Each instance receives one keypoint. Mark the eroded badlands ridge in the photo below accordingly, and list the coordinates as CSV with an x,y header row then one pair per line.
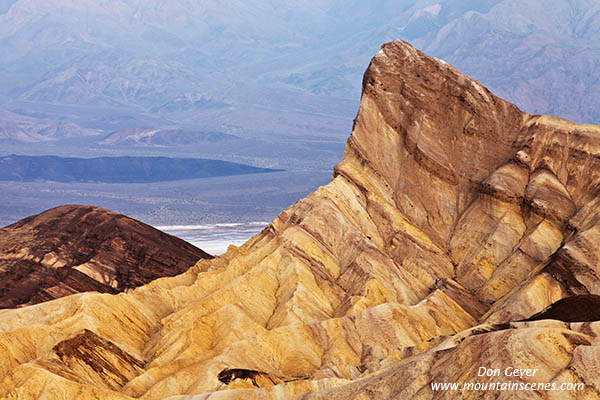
x,y
72,249
452,217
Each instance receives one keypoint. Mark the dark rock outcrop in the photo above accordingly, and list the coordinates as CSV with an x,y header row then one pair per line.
x,y
72,249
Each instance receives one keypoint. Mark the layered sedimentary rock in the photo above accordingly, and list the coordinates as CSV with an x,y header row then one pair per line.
x,y
453,223
72,249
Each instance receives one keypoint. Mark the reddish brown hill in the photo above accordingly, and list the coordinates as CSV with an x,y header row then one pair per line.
x,y
74,248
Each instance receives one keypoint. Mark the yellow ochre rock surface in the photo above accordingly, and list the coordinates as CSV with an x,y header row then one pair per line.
x,y
453,218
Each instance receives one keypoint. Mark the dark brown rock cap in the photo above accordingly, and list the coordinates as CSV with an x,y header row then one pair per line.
x,y
77,248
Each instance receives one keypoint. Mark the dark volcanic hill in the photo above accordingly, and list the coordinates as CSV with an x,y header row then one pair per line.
x,y
74,248
117,169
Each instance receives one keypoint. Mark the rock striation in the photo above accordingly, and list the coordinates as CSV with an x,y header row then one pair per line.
x,y
72,249
452,224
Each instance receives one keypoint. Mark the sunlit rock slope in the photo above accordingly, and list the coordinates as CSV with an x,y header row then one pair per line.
x,y
452,220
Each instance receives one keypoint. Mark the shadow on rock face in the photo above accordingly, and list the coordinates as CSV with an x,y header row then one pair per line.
x,y
257,378
581,308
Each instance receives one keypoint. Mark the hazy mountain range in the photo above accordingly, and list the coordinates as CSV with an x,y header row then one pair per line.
x,y
271,69
265,83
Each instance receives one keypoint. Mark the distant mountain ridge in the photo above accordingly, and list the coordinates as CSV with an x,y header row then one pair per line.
x,y
216,65
117,169
165,137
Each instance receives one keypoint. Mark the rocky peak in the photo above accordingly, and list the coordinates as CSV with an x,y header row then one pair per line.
x,y
452,219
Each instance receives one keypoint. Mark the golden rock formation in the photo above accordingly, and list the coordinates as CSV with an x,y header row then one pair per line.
x,y
453,218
